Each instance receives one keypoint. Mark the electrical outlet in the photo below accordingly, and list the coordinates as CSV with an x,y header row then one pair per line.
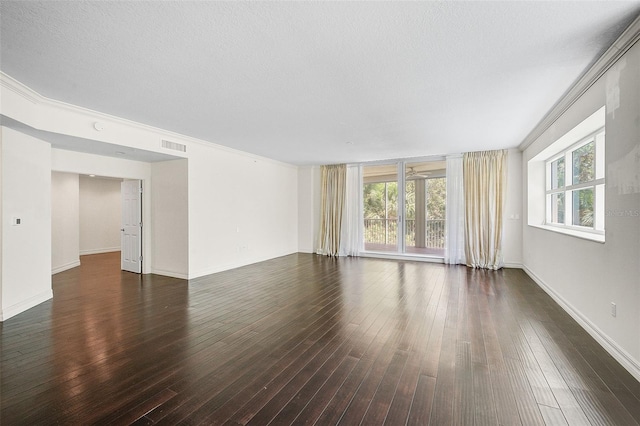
x,y
613,309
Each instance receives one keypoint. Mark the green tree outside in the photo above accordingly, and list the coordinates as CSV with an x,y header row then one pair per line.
x,y
381,207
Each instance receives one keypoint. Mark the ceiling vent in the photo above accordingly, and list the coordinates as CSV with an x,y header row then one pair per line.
x,y
174,146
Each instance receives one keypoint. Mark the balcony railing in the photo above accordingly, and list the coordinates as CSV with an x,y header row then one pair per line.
x,y
385,231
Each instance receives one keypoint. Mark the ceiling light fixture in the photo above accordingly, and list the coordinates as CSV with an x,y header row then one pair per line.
x,y
92,175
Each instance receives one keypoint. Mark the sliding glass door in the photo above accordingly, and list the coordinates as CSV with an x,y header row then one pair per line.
x,y
425,200
404,208
380,199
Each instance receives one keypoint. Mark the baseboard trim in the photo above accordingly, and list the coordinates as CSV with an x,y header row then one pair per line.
x,y
29,303
513,265
99,251
171,274
402,257
623,357
228,266
65,267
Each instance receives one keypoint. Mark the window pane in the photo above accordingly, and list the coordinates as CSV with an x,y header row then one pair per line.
x,y
436,211
599,216
557,173
425,189
557,208
410,209
583,207
380,207
600,156
583,164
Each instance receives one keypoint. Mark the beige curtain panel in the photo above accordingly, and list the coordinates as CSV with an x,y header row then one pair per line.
x,y
484,194
333,187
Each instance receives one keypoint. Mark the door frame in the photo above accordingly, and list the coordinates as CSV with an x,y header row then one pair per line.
x,y
136,266
401,243
145,178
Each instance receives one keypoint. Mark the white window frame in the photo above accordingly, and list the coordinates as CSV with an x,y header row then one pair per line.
x,y
597,184
400,253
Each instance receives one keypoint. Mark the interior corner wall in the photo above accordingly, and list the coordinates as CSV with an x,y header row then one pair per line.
x,y
65,232
170,218
243,209
586,276
26,247
85,164
308,208
512,220
100,215
1,223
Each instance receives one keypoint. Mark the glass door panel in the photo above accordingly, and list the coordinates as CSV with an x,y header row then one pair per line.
x,y
425,199
380,207
404,207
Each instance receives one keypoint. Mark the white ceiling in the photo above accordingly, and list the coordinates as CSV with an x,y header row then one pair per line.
x,y
315,82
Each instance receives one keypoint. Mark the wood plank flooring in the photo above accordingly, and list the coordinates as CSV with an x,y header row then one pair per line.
x,y
305,339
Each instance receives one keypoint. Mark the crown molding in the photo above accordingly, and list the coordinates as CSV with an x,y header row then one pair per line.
x,y
626,40
10,83
18,88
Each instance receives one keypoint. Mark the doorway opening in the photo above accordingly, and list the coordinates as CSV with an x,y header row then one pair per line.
x,y
88,214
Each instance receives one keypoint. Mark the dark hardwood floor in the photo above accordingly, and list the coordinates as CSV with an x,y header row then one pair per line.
x,y
305,339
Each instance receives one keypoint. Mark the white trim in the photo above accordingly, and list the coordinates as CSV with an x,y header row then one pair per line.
x,y
19,89
401,256
577,186
99,250
628,38
513,265
65,267
623,357
171,274
585,235
29,303
423,159
10,83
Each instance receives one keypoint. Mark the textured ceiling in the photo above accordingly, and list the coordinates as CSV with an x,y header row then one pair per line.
x,y
315,82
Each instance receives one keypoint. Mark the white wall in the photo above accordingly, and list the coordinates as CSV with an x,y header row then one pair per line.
x,y
585,276
242,209
1,222
512,237
65,232
308,208
170,218
100,215
26,248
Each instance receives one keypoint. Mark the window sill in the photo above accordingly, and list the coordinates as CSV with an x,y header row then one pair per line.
x,y
598,238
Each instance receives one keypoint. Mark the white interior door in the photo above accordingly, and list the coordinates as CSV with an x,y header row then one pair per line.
x,y
131,231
